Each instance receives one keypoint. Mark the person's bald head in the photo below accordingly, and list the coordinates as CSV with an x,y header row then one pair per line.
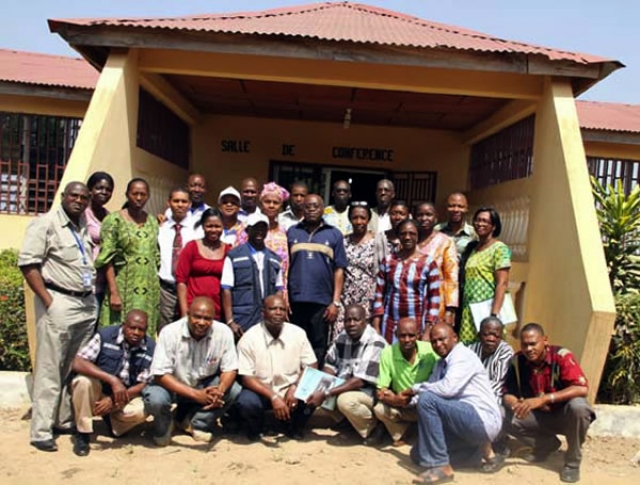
x,y
407,333
249,194
200,316
443,339
134,327
75,199
313,208
274,314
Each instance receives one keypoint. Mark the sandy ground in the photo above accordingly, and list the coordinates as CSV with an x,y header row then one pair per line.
x,y
324,457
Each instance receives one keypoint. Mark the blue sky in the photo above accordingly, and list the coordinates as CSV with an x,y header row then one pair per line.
x,y
609,29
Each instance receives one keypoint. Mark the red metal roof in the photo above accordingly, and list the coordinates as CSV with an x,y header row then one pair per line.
x,y
595,115
340,21
46,70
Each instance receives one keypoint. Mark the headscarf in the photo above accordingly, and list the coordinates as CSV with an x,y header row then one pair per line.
x,y
275,189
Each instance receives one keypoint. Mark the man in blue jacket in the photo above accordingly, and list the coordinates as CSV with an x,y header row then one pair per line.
x,y
112,369
251,273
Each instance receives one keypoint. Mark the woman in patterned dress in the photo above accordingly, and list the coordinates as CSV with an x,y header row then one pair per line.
x,y
486,267
200,265
100,185
443,251
130,258
362,264
407,286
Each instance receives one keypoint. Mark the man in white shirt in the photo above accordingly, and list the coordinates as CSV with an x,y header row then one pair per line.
x,y
251,272
248,198
197,188
272,357
337,215
458,415
174,234
385,193
295,213
194,366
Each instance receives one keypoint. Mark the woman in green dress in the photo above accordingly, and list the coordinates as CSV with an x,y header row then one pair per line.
x,y
486,267
129,257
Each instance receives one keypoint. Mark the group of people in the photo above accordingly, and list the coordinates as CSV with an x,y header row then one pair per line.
x,y
205,318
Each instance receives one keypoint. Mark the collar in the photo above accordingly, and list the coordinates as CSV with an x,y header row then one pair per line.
x,y
268,338
254,250
467,229
303,224
66,221
193,209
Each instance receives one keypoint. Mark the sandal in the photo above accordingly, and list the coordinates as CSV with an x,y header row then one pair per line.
x,y
493,464
433,475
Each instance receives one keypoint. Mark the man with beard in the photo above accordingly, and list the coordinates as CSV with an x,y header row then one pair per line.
x,y
295,212
355,358
545,395
273,355
56,260
251,273
173,235
456,226
337,215
248,199
404,364
112,369
316,274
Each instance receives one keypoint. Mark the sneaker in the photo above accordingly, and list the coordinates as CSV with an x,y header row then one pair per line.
x,y
196,434
81,444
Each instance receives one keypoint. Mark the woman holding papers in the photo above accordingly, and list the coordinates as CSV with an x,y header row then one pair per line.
x,y
484,269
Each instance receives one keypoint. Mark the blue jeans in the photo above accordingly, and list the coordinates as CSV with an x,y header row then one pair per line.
x,y
449,432
251,408
158,401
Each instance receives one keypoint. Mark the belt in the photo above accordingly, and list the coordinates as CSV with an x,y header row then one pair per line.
x,y
168,286
64,291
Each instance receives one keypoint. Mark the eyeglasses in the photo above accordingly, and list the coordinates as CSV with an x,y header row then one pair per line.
x,y
360,203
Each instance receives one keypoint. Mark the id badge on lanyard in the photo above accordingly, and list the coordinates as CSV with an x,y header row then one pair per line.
x,y
87,273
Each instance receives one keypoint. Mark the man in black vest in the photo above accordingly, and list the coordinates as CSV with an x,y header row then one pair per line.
x,y
112,369
251,273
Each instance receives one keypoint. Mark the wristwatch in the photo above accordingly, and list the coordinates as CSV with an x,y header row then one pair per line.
x,y
327,393
336,303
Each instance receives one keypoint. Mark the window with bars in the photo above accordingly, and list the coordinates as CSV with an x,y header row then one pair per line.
x,y
34,151
161,132
505,155
609,170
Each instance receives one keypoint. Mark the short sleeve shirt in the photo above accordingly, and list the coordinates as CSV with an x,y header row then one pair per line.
x,y
50,242
314,258
349,358
399,374
559,370
461,238
276,362
190,360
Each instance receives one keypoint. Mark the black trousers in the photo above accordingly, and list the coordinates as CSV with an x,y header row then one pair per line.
x,y
310,317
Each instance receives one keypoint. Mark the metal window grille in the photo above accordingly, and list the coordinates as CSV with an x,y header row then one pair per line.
x,y
415,187
34,151
609,170
505,155
161,132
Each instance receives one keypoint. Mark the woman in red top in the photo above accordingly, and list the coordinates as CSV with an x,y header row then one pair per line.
x,y
200,265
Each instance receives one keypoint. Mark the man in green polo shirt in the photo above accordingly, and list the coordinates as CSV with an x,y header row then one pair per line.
x,y
405,363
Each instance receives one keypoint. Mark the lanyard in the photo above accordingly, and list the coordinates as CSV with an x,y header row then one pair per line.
x,y
80,245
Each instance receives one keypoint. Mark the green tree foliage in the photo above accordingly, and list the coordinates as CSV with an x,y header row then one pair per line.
x,y
619,217
14,347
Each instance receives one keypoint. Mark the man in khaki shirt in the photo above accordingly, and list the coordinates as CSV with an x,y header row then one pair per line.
x,y
272,357
57,263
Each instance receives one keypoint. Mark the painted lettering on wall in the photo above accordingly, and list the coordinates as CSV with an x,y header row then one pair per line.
x,y
372,154
288,150
236,146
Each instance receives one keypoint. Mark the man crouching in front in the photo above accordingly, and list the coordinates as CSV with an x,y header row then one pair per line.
x,y
194,366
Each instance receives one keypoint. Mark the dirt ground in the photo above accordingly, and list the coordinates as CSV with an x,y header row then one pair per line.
x,y
324,457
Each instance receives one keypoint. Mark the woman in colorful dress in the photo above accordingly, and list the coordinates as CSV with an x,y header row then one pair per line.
x,y
362,267
387,242
485,266
407,286
200,265
130,258
443,251
100,186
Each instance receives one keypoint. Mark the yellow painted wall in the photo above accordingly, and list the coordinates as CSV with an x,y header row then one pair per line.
x,y
568,287
414,150
612,150
12,230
